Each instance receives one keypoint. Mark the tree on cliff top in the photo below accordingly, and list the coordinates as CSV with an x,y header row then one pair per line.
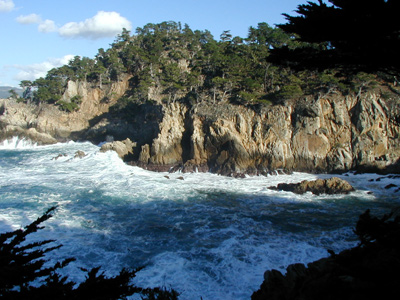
x,y
353,35
26,274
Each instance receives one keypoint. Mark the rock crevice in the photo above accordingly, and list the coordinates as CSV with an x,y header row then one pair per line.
x,y
333,134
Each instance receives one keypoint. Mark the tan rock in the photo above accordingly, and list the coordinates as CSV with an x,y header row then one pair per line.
x,y
123,148
332,185
336,133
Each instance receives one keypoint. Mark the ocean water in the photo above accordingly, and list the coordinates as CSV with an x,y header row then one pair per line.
x,y
206,236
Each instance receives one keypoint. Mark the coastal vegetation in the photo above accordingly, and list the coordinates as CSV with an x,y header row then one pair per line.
x,y
310,55
350,36
168,63
230,106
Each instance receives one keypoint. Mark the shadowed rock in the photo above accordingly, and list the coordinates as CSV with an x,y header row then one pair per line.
x,y
367,271
330,134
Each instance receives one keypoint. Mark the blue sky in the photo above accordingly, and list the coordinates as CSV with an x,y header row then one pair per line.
x,y
38,35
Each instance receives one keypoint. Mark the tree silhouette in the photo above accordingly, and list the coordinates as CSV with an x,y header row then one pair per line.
x,y
354,35
25,274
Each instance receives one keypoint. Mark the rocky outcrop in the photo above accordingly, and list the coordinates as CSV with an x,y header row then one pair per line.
x,y
324,135
368,271
51,124
123,148
332,134
329,186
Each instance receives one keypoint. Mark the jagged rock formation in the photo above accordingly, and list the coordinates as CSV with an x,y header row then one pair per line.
x,y
329,186
330,134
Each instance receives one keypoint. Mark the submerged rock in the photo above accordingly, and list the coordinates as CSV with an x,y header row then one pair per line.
x,y
59,156
79,154
389,186
329,186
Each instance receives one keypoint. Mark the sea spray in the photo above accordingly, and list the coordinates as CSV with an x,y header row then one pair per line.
x,y
206,236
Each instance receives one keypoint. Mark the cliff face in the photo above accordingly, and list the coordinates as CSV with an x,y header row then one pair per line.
x,y
314,135
324,135
46,124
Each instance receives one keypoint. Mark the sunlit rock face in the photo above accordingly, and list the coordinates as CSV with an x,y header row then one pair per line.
x,y
331,134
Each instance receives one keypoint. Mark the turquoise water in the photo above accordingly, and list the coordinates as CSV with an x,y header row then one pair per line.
x,y
205,236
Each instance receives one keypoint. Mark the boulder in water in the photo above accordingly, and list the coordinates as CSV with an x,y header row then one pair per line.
x,y
123,148
329,186
79,154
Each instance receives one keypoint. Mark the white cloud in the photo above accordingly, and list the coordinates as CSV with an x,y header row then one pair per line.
x,y
29,19
103,24
44,26
6,5
35,71
47,26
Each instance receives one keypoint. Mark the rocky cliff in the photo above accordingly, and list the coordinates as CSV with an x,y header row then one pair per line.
x,y
331,134
46,124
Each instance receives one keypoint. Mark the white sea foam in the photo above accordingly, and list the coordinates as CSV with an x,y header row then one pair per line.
x,y
206,236
17,143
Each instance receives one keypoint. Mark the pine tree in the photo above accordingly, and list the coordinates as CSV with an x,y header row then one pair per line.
x,y
355,35
23,274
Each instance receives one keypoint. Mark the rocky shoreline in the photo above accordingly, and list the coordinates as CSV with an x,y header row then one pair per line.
x,y
316,135
324,135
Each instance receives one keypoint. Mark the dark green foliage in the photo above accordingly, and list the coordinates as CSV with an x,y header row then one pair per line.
x,y
70,106
268,36
353,35
290,91
49,89
13,94
21,264
25,274
170,62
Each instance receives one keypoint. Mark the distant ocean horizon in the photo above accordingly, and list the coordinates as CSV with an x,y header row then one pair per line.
x,y
207,236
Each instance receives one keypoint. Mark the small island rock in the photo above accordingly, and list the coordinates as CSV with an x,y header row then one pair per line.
x,y
329,186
